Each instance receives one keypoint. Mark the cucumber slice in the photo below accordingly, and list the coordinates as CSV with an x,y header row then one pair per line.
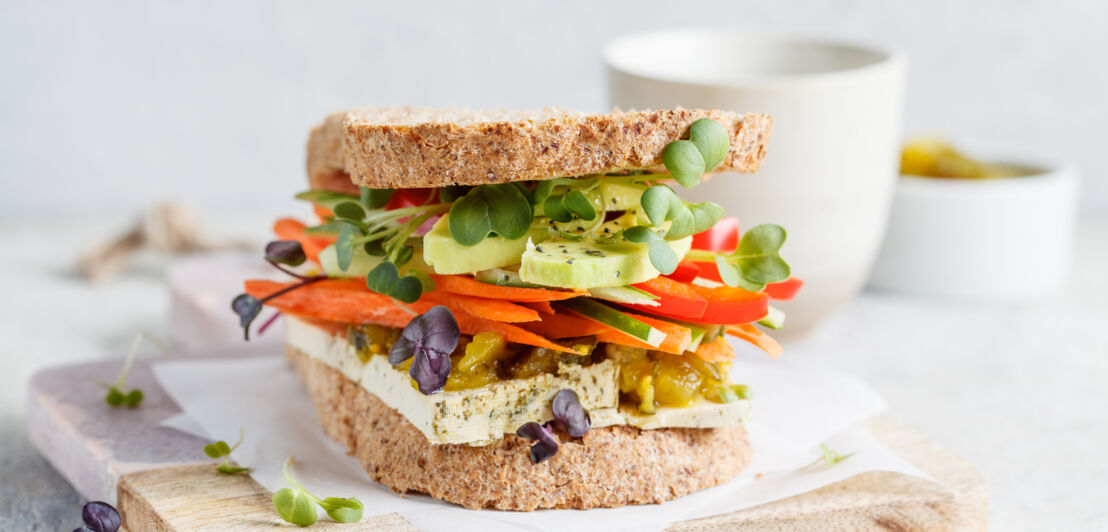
x,y
625,294
775,318
611,317
698,335
359,267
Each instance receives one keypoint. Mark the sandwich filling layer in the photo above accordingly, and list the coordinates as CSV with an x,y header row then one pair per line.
x,y
479,416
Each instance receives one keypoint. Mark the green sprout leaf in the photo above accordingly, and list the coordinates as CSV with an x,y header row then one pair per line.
x,y
348,510
756,261
555,208
350,211
830,456
684,162
385,279
344,247
542,191
325,198
408,289
661,255
712,140
501,209
375,198
295,506
220,449
298,506
656,203
579,204
116,396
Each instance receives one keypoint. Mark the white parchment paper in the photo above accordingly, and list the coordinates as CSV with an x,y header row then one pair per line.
x,y
796,409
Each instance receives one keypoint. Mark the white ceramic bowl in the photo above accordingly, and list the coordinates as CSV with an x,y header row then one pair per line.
x,y
831,162
1003,239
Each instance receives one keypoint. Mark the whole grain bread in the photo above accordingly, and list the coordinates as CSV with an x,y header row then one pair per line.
x,y
608,467
411,147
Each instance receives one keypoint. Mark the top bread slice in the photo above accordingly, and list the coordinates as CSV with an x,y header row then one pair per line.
x,y
417,147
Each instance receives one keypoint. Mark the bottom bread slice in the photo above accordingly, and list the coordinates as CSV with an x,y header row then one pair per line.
x,y
609,466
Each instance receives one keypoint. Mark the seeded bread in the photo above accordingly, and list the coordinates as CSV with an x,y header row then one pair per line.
x,y
608,467
411,147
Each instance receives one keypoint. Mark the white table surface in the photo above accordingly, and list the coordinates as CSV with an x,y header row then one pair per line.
x,y
1019,390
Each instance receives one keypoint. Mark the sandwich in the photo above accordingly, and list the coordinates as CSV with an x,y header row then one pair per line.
x,y
516,310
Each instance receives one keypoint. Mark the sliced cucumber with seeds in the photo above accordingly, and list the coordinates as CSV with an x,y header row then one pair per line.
x,y
596,311
625,294
775,318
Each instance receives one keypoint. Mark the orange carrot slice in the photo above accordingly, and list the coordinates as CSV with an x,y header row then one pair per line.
x,y
757,337
543,307
351,302
460,284
489,309
292,229
718,350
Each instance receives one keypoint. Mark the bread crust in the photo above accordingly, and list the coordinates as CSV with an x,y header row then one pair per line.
x,y
411,147
608,467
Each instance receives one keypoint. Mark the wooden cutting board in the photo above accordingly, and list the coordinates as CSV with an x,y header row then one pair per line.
x,y
162,481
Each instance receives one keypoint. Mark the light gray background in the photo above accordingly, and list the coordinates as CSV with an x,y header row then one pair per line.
x,y
110,105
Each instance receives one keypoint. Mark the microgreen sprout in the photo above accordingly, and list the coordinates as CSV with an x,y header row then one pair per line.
x,y
755,262
503,209
117,396
297,505
99,516
430,338
546,443
688,160
220,449
830,457
277,253
569,413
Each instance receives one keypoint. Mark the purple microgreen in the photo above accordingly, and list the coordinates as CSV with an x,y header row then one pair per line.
x,y
285,252
100,516
430,338
268,322
116,395
248,307
546,445
570,414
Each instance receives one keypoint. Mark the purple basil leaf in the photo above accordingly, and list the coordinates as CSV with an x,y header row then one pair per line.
x,y
100,517
285,252
247,307
83,529
430,338
430,370
546,446
569,412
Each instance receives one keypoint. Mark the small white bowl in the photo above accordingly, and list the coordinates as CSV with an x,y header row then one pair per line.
x,y
1001,239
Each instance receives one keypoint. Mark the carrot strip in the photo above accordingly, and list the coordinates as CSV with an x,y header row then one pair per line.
x,y
460,284
292,229
512,333
718,350
322,212
543,307
565,326
757,337
351,302
489,309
